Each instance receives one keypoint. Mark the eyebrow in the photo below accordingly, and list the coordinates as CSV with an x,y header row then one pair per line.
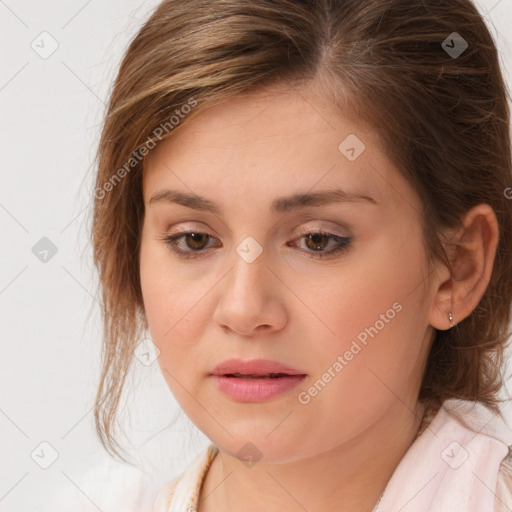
x,y
279,205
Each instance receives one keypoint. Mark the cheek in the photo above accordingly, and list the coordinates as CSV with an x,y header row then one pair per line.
x,y
174,307
374,314
153,289
376,352
159,294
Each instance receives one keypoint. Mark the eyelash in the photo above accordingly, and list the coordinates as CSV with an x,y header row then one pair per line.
x,y
343,244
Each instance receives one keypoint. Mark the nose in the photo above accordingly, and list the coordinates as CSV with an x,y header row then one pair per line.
x,y
250,299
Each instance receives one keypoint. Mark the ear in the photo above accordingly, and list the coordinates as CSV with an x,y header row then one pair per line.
x,y
471,251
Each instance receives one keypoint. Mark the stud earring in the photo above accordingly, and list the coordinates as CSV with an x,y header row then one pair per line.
x,y
450,317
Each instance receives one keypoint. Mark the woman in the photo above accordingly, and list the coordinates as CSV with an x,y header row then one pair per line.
x,y
305,203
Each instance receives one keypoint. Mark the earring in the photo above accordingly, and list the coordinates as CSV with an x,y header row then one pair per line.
x,y
450,317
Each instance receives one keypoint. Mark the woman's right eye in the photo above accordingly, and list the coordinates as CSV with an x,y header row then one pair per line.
x,y
195,242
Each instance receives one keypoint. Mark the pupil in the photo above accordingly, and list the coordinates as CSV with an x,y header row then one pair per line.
x,y
196,240
317,238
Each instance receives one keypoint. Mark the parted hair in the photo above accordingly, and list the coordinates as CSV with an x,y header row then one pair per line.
x,y
442,116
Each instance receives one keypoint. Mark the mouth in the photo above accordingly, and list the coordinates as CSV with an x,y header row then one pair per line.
x,y
248,388
254,368
257,376
257,380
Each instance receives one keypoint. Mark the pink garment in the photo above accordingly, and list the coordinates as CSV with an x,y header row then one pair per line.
x,y
453,465
460,463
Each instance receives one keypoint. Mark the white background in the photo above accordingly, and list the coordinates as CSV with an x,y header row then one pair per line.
x,y
51,112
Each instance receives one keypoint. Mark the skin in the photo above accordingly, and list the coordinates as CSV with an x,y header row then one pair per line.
x,y
343,446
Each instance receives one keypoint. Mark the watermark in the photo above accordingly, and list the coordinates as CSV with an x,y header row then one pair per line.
x,y
45,45
143,150
44,455
454,455
147,352
249,454
304,397
44,249
454,45
249,249
351,147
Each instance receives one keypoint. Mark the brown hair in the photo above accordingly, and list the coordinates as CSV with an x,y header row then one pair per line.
x,y
442,118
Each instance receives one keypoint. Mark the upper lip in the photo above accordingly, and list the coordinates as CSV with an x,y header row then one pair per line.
x,y
253,367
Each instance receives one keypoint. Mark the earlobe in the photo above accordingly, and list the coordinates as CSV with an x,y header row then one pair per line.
x,y
472,261
442,304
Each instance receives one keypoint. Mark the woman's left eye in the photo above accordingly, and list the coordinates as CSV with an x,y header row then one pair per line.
x,y
316,242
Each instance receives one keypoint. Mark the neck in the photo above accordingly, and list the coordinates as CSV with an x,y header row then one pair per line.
x,y
352,475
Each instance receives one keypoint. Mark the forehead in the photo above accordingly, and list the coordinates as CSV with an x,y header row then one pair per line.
x,y
279,140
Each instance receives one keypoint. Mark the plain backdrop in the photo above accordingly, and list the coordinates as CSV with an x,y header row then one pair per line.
x,y
51,108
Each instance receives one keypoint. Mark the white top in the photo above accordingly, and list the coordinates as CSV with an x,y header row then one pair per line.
x,y
461,462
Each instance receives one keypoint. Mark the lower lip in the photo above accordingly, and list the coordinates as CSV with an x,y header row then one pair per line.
x,y
256,390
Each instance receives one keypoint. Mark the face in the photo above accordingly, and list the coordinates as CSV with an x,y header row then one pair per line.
x,y
334,290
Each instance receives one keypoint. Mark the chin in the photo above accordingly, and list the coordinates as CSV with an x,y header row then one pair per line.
x,y
255,446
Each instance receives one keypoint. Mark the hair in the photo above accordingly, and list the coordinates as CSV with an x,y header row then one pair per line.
x,y
443,121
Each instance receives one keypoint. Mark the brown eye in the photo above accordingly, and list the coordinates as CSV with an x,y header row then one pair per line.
x,y
317,241
196,241
319,244
190,244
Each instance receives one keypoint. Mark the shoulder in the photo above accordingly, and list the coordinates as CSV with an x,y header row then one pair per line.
x,y
479,419
166,494
503,501
182,492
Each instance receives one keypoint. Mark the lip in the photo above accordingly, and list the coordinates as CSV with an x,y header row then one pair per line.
x,y
243,388
253,367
